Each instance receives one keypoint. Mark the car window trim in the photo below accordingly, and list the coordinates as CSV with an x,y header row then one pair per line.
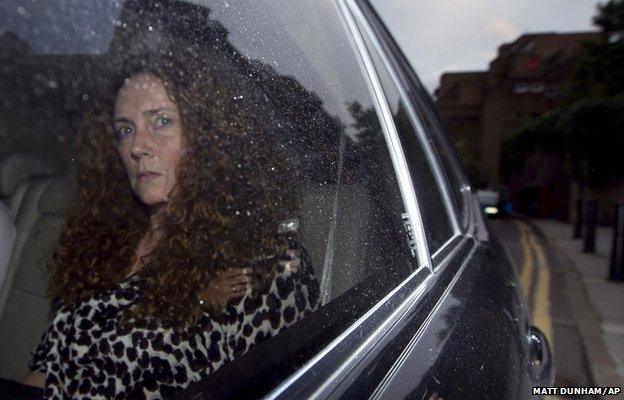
x,y
465,245
359,348
430,152
415,285
471,220
391,136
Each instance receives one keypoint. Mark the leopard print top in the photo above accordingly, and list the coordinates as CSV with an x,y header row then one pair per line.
x,y
85,354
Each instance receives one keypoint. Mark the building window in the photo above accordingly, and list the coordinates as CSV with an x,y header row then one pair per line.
x,y
521,88
551,91
537,87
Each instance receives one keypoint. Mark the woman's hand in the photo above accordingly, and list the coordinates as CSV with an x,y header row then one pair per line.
x,y
34,378
226,285
291,260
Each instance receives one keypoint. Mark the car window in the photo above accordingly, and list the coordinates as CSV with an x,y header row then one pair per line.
x,y
429,189
283,124
425,109
450,162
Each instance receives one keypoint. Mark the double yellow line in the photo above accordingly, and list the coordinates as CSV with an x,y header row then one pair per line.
x,y
534,262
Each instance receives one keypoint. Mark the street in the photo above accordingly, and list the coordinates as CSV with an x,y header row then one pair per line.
x,y
542,276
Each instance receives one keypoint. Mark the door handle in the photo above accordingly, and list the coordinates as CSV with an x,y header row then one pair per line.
x,y
541,367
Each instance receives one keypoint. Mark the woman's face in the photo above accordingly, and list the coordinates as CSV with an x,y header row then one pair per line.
x,y
149,137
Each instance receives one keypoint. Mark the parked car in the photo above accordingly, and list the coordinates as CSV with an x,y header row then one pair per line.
x,y
489,201
417,299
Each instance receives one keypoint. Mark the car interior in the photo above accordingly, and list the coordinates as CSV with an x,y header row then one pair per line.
x,y
338,217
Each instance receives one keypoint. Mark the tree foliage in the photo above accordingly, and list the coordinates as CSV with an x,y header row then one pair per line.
x,y
588,134
538,135
610,19
599,72
593,133
588,130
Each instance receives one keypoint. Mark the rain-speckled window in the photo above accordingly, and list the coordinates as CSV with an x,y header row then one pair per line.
x,y
186,180
429,190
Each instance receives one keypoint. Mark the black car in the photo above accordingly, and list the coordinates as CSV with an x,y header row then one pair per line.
x,y
417,299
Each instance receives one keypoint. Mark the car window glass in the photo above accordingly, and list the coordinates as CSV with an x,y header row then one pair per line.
x,y
436,220
449,161
290,109
425,109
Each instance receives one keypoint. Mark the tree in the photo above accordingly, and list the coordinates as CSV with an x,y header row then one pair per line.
x,y
592,132
599,72
588,131
538,135
610,19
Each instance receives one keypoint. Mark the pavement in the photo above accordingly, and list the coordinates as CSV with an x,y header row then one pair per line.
x,y
595,303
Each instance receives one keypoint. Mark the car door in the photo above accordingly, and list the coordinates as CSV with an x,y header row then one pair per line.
x,y
359,216
456,327
392,339
412,298
478,339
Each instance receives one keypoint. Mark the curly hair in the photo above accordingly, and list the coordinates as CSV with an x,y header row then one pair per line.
x,y
232,189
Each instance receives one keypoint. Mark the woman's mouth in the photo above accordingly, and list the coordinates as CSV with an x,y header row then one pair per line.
x,y
146,176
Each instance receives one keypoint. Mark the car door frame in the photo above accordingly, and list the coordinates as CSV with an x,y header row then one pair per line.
x,y
413,302
359,357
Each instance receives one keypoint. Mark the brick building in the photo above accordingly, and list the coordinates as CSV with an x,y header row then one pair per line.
x,y
482,108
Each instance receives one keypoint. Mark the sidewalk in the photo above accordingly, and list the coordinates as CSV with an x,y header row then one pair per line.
x,y
598,303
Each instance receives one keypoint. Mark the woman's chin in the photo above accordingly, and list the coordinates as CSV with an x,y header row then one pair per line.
x,y
152,201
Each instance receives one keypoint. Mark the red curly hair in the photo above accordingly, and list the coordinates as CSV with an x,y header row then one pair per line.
x,y
232,189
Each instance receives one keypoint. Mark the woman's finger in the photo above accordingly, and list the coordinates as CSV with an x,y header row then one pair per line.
x,y
292,265
236,292
233,272
241,287
239,280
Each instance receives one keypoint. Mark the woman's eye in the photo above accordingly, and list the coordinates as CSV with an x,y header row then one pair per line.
x,y
163,120
123,132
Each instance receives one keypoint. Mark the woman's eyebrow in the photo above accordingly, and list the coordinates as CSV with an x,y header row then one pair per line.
x,y
122,119
154,111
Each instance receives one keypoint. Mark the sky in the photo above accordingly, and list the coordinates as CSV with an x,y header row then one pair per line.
x,y
464,35
436,35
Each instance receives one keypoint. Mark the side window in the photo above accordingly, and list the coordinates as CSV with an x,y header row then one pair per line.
x,y
450,162
429,190
424,110
279,159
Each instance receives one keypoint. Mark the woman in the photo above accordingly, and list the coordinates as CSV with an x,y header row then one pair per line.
x,y
181,194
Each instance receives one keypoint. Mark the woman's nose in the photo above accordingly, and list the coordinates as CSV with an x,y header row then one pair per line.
x,y
142,144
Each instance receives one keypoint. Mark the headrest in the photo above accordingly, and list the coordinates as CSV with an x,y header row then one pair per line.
x,y
57,196
16,168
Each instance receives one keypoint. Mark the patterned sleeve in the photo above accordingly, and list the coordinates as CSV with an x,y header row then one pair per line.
x,y
292,295
44,348
49,343
38,357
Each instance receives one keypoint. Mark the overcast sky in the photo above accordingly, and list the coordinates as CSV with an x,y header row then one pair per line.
x,y
456,35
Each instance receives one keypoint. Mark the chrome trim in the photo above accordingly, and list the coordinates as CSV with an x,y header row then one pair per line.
x,y
413,285
433,161
372,345
383,386
481,233
392,139
444,246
